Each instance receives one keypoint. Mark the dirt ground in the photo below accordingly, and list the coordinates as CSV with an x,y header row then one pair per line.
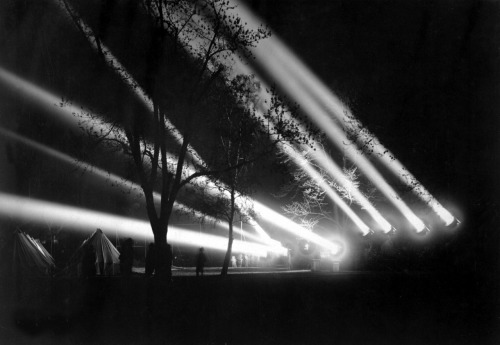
x,y
274,307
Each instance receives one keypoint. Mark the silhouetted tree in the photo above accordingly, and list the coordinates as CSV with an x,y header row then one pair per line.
x,y
243,136
192,46
309,203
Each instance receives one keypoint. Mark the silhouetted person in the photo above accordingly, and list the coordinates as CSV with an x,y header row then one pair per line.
x,y
150,260
200,261
88,261
169,257
127,257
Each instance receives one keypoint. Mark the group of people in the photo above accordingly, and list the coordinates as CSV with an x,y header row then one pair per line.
x,y
243,260
154,262
91,266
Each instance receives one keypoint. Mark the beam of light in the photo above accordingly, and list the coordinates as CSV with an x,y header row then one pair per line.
x,y
339,110
336,172
275,53
337,136
286,224
43,98
330,166
333,169
101,174
322,159
116,66
269,215
107,176
67,112
41,212
278,62
332,194
264,236
336,107
261,237
114,63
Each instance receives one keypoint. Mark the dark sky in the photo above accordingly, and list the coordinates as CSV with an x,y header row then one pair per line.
x,y
422,75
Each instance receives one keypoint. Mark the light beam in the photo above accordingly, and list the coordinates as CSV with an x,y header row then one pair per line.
x,y
300,161
107,176
278,61
45,98
282,64
286,224
41,212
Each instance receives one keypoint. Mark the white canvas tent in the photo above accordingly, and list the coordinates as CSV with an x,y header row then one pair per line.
x,y
107,257
44,251
30,257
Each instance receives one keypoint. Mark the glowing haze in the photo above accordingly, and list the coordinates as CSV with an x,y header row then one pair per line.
x,y
43,212
293,77
332,194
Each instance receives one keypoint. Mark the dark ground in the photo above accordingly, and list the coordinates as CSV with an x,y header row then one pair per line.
x,y
272,308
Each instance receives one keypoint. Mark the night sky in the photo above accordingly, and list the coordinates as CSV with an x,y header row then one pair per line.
x,y
423,76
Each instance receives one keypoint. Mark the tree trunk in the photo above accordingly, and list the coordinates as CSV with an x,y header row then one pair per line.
x,y
227,258
163,255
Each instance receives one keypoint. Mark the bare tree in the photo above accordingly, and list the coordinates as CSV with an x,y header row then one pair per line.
x,y
244,137
193,45
310,204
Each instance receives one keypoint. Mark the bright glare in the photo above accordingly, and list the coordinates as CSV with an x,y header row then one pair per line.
x,y
115,64
286,224
126,77
66,113
107,176
337,135
43,98
282,64
329,165
300,161
43,212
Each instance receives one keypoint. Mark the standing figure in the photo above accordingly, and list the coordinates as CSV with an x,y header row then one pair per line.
x,y
88,261
200,261
150,260
127,257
